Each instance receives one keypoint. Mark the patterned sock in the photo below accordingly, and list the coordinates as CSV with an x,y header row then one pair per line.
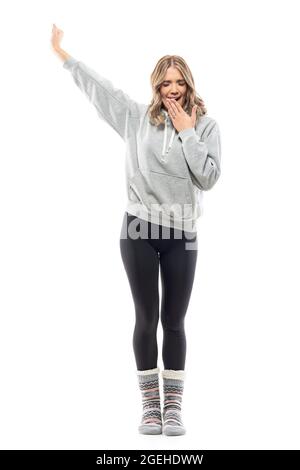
x,y
149,385
173,390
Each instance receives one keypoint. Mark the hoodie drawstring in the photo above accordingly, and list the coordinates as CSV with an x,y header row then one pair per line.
x,y
164,150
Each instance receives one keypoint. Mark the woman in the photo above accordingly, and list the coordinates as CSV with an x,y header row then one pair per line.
x,y
165,180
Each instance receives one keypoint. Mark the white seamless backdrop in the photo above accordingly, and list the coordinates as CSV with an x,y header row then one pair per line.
x,y
66,310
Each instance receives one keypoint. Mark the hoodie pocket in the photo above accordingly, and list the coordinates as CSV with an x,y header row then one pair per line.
x,y
162,192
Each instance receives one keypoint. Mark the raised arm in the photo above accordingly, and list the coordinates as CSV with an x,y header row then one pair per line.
x,y
112,104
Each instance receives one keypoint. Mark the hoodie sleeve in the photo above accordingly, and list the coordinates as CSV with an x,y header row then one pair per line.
x,y
112,104
203,155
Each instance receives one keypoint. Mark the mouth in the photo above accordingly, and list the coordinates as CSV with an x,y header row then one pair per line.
x,y
174,98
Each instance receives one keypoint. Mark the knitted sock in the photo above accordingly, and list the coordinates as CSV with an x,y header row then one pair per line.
x,y
173,390
149,385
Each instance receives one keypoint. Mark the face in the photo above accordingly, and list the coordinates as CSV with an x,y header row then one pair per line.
x,y
174,85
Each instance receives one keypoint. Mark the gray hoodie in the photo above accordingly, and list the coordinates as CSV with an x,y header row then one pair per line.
x,y
166,171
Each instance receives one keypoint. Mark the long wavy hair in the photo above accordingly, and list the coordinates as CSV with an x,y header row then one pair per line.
x,y
155,114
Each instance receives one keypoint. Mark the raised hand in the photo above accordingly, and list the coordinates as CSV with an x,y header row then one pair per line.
x,y
57,35
181,120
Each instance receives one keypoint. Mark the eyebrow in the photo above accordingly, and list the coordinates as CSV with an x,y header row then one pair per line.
x,y
180,80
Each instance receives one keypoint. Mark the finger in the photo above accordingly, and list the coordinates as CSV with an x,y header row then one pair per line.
x,y
170,102
173,108
167,103
177,105
171,113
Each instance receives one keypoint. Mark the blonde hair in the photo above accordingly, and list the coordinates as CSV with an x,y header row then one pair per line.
x,y
156,117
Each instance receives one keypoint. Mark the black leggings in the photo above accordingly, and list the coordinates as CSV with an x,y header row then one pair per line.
x,y
177,260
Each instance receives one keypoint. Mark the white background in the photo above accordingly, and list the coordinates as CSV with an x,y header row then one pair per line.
x,y
67,317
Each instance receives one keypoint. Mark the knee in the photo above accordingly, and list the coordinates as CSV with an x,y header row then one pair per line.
x,y
172,326
147,319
